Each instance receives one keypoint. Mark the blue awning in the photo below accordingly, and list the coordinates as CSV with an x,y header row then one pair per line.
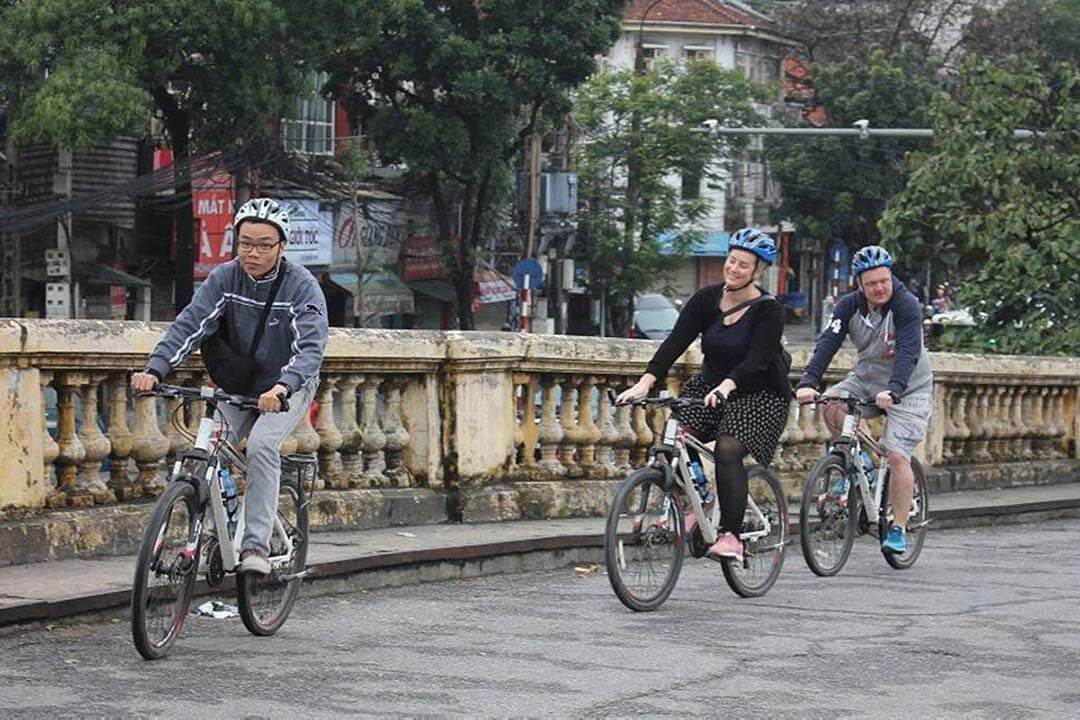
x,y
711,244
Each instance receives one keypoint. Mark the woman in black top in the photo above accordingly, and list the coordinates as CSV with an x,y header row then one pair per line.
x,y
740,325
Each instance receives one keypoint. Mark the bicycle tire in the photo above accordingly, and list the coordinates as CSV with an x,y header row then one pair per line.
x,y
265,601
154,644
818,521
917,536
630,537
763,557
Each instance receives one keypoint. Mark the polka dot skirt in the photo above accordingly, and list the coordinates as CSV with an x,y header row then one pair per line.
x,y
755,420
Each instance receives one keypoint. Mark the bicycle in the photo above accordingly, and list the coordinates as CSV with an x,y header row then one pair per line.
x,y
830,516
177,546
644,538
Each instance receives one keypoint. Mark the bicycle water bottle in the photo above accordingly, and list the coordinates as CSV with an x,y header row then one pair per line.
x,y
868,466
697,474
228,494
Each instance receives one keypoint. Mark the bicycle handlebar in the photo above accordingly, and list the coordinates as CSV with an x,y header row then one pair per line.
x,y
671,402
210,394
852,403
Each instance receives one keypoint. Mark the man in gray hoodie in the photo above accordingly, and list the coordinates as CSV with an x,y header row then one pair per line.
x,y
884,321
287,358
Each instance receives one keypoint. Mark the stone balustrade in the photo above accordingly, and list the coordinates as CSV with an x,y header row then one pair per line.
x,y
528,416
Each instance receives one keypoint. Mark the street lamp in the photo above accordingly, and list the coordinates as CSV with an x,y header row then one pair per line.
x,y
639,51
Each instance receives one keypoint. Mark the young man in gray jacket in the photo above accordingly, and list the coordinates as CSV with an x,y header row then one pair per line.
x,y
884,321
287,359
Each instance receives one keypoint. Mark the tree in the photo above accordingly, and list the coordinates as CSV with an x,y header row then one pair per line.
x,y
1009,209
1046,29
641,133
837,188
79,72
452,90
832,31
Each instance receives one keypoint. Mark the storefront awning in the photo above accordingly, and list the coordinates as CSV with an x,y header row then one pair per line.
x,y
438,289
710,244
105,275
383,292
492,286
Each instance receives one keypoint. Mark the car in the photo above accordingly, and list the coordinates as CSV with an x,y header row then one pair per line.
x,y
654,317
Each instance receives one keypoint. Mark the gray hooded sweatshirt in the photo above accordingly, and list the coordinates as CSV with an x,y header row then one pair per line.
x,y
291,349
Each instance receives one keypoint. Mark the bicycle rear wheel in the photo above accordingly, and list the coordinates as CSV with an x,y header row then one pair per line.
x,y
643,541
265,601
763,555
166,570
826,517
917,522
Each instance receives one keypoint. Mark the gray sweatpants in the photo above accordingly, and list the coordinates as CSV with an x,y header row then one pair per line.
x,y
265,432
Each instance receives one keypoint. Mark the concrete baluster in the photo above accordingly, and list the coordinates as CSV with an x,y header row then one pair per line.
x,y
151,446
588,431
352,440
609,435
397,437
550,432
72,452
50,450
569,422
374,438
95,444
330,438
121,441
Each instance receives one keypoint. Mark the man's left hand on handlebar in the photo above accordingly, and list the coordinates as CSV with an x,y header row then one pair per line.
x,y
884,400
270,401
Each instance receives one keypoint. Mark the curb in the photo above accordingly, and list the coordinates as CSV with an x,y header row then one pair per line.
x,y
464,554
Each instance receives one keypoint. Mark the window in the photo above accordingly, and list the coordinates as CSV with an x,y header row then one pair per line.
x,y
692,53
311,131
652,53
691,184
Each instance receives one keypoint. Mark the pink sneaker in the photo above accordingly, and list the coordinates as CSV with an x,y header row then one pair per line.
x,y
728,546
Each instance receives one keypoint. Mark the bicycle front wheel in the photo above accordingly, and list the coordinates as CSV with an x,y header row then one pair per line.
x,y
643,541
765,533
265,601
917,522
826,517
165,571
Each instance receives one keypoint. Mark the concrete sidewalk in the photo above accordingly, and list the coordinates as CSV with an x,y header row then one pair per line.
x,y
52,590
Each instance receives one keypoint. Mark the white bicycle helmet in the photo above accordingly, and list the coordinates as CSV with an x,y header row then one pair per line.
x,y
264,210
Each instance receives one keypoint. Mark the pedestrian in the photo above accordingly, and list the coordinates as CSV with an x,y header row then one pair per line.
x,y
262,305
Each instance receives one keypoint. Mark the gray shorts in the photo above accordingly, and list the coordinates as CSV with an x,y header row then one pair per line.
x,y
905,423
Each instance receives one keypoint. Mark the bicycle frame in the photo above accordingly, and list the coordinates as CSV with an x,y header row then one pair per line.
x,y
675,441
855,438
210,446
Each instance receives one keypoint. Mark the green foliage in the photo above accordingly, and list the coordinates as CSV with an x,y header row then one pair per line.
x,y
837,188
1008,209
1045,31
76,72
640,134
451,90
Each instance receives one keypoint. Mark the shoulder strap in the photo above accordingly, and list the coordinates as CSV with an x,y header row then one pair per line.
x,y
266,310
745,304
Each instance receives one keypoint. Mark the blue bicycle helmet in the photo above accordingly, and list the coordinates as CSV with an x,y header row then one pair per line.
x,y
870,257
755,241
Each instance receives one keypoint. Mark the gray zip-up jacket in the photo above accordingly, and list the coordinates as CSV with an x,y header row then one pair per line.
x,y
291,349
890,343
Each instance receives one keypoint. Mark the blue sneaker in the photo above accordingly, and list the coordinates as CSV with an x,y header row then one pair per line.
x,y
895,542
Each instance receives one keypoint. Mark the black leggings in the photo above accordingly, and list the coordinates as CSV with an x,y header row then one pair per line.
x,y
731,485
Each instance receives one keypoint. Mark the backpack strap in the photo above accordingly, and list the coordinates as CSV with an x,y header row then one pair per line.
x,y
266,311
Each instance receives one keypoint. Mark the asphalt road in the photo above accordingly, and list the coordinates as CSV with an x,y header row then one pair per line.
x,y
985,625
